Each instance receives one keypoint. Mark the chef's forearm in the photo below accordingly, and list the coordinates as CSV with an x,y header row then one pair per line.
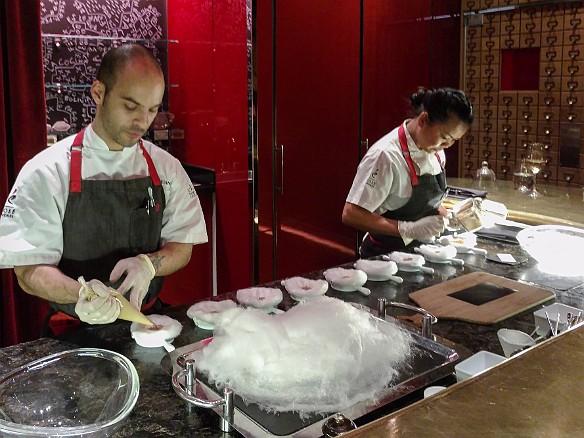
x,y
47,282
171,257
362,219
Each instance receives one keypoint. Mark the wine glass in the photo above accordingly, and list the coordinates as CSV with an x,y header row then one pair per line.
x,y
535,160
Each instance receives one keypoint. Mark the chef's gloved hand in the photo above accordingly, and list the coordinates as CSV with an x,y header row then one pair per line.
x,y
423,229
139,272
96,304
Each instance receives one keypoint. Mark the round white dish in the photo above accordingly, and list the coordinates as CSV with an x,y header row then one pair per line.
x,y
439,254
301,288
260,297
378,270
206,313
347,280
161,335
408,262
463,242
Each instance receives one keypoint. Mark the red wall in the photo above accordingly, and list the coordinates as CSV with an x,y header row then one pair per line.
x,y
209,65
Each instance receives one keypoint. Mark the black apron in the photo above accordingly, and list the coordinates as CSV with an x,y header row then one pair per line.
x,y
428,191
106,221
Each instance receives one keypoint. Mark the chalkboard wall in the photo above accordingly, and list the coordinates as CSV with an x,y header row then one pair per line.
x,y
76,35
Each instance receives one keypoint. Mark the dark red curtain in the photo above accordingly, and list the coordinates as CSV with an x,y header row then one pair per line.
x,y
23,134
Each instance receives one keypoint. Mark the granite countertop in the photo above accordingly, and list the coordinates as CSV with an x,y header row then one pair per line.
x,y
559,205
160,413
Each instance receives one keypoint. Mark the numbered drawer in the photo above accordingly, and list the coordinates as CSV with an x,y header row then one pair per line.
x,y
550,84
505,169
506,154
507,127
574,114
548,114
506,141
548,130
569,176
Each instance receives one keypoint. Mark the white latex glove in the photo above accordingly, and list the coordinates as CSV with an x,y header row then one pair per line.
x,y
422,229
96,304
139,272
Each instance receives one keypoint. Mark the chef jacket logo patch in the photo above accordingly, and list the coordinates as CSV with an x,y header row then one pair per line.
x,y
8,211
371,180
192,191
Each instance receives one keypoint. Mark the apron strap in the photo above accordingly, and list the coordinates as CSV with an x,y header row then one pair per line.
x,y
151,169
75,171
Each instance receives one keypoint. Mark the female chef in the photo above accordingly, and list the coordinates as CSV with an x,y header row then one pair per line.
x,y
400,182
104,204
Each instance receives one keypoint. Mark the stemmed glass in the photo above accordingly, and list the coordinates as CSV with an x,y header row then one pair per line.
x,y
535,160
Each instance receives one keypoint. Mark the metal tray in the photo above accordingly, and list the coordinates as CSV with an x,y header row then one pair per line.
x,y
430,361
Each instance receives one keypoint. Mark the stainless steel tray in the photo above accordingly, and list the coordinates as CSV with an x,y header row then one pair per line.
x,y
430,361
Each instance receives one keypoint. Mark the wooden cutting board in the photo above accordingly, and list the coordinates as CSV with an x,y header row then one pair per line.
x,y
480,297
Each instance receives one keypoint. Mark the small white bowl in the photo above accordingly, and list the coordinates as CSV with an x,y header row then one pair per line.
x,y
301,288
431,390
377,270
347,280
514,340
162,335
463,242
438,253
205,314
541,323
263,298
476,364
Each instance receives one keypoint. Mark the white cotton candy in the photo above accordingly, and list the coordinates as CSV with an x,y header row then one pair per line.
x,y
322,355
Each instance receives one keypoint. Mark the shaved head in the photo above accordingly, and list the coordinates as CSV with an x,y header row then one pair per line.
x,y
117,59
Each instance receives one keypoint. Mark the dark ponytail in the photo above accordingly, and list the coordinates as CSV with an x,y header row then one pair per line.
x,y
441,104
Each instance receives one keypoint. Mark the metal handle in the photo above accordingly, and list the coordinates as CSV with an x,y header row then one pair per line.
x,y
226,423
427,321
281,187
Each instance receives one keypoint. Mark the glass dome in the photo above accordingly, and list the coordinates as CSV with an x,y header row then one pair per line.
x,y
86,392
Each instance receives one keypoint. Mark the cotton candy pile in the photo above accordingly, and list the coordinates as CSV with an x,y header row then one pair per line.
x,y
322,355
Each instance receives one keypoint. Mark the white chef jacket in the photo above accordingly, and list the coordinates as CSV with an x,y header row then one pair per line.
x,y
382,182
31,225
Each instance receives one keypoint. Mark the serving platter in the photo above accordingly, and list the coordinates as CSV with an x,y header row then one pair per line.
x,y
429,362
